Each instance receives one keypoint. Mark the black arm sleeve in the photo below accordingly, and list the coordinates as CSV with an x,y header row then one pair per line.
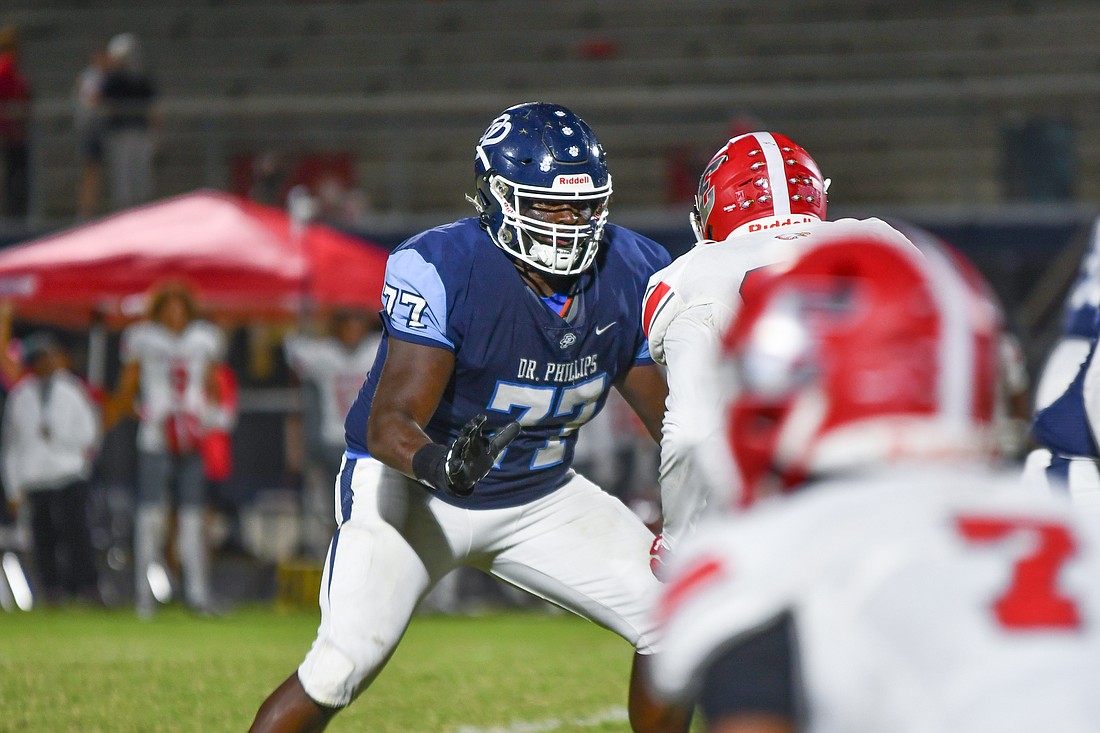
x,y
756,673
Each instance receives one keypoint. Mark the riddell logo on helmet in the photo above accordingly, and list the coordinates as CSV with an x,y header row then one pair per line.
x,y
776,223
576,181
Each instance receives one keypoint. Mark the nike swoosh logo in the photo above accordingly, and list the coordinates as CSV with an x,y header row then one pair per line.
x,y
601,329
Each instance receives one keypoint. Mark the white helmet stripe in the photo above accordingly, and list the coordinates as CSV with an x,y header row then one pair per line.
x,y
957,357
777,174
482,156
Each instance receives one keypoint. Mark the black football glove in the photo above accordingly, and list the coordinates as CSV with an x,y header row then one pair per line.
x,y
457,468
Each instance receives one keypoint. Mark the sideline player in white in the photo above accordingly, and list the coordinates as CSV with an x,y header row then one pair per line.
x,y
1067,400
882,574
332,368
167,383
524,315
761,199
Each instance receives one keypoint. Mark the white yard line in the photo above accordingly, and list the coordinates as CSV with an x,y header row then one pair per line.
x,y
611,715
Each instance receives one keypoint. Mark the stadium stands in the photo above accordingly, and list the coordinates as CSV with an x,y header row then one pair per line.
x,y
902,103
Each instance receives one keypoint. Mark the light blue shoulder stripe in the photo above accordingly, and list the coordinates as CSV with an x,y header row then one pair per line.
x,y
416,298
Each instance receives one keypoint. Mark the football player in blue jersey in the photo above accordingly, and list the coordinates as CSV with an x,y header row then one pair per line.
x,y
1066,424
504,333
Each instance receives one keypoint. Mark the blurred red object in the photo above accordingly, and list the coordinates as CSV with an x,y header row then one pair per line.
x,y
242,259
217,443
599,48
267,177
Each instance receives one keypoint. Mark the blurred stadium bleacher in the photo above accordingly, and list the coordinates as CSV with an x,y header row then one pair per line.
x,y
904,104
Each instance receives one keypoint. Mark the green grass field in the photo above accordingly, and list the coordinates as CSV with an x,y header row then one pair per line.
x,y
85,670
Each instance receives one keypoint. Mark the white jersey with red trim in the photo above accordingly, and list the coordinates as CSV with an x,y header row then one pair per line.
x,y
923,599
173,373
687,307
711,273
337,372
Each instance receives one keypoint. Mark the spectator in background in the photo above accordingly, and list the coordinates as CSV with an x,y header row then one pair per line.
x,y
170,359
339,205
129,118
51,431
268,178
88,123
15,99
331,369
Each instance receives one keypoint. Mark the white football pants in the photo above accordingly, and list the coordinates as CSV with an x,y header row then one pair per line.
x,y
1078,476
579,547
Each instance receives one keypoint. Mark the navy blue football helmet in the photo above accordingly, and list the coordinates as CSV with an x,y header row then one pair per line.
x,y
541,152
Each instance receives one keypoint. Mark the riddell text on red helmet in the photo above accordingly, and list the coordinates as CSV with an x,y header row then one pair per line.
x,y
757,226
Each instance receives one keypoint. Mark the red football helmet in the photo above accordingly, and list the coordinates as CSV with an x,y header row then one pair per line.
x,y
758,180
860,352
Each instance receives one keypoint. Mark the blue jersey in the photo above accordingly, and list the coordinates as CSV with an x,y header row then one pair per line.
x,y
1063,426
1082,308
515,358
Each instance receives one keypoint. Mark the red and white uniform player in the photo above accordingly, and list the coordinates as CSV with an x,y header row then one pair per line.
x,y
167,362
174,368
762,197
880,574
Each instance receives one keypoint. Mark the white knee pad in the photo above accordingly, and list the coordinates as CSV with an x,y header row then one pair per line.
x,y
1035,470
328,675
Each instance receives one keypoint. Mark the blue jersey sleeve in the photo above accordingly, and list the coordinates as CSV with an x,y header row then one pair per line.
x,y
1083,303
415,300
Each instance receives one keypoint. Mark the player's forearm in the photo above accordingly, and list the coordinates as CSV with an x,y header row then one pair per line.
x,y
644,389
683,496
409,389
10,369
690,419
121,404
394,438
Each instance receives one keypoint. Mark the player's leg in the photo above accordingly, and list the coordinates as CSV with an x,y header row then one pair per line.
x,y
290,710
44,538
150,525
646,712
385,554
191,538
587,552
80,578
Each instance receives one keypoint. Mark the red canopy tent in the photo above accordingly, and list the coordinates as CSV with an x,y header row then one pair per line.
x,y
242,259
